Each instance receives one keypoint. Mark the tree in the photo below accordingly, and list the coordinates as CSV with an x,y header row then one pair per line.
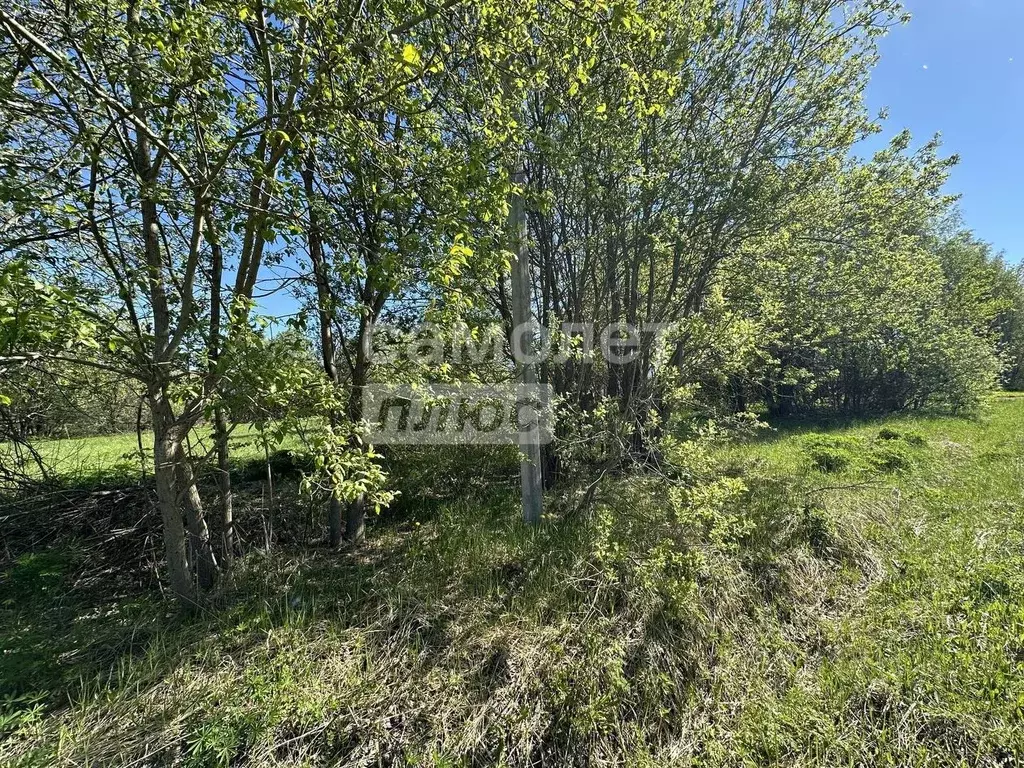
x,y
165,126
683,134
404,191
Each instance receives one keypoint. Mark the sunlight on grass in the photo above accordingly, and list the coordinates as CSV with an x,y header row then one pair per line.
x,y
865,611
109,457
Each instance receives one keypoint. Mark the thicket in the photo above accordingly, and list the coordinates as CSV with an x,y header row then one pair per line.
x,y
691,166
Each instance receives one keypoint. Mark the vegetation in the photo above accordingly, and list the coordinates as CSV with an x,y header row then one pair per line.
x,y
792,616
653,214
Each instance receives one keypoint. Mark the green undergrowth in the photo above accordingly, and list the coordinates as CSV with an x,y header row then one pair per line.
x,y
784,607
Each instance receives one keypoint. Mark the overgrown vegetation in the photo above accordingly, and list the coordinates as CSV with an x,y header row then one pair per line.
x,y
680,183
653,214
779,615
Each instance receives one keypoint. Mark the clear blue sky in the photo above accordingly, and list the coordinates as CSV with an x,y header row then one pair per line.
x,y
958,69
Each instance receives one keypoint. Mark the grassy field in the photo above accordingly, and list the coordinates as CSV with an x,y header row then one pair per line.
x,y
858,600
117,458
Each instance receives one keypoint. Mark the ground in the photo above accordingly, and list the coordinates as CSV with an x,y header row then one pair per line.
x,y
853,594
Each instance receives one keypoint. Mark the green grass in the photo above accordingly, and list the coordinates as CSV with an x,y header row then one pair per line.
x,y
110,459
927,667
868,611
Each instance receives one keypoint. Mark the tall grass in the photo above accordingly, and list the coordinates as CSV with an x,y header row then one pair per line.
x,y
865,611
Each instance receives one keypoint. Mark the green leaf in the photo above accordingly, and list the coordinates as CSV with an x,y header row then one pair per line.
x,y
410,55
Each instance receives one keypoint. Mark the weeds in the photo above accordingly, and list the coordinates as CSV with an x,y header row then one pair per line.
x,y
756,618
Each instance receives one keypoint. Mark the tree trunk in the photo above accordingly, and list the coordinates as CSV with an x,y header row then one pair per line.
x,y
200,545
227,503
530,466
325,304
166,454
355,521
220,422
336,530
355,515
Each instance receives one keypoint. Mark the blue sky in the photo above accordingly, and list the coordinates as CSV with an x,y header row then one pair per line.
x,y
958,69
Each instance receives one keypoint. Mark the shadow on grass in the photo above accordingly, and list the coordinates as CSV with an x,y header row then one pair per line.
x,y
80,589
780,428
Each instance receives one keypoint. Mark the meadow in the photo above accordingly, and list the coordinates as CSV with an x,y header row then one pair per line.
x,y
858,601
